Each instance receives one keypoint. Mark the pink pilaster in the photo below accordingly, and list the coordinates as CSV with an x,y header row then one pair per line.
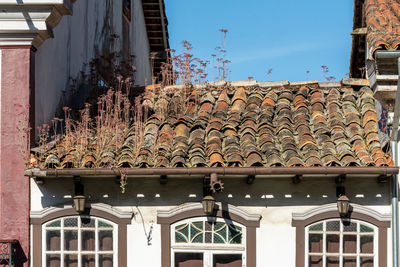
x,y
16,94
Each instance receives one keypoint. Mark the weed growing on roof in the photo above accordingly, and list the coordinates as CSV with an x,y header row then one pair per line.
x,y
325,72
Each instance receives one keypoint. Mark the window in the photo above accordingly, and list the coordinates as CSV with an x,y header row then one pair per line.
x,y
333,243
79,242
207,242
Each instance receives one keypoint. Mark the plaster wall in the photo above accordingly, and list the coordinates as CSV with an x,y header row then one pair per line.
x,y
95,30
276,244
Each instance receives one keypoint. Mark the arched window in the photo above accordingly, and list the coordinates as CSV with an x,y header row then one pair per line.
x,y
324,239
80,241
189,238
333,243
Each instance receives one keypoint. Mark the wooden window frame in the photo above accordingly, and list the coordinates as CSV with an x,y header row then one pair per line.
x,y
102,211
363,214
250,221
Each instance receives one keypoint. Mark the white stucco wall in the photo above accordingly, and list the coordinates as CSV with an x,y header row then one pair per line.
x,y
276,242
77,40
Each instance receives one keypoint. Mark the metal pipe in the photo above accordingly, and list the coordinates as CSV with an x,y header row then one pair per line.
x,y
387,54
209,170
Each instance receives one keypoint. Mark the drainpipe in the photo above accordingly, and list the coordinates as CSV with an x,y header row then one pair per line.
x,y
394,149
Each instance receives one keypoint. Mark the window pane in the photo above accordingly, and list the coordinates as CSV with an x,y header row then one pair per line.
x,y
367,262
332,261
87,222
208,237
315,242
349,243
365,229
70,240
316,227
52,260
104,224
349,227
349,262
367,244
332,243
315,261
88,260
234,234
333,226
71,260
88,238
53,240
54,224
105,240
71,222
228,260
188,259
106,260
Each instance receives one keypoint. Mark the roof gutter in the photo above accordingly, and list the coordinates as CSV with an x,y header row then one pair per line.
x,y
50,173
394,150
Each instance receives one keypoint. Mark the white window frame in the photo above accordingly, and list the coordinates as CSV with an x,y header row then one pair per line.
x,y
341,254
79,229
208,249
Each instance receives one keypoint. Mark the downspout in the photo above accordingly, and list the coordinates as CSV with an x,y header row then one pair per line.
x,y
394,152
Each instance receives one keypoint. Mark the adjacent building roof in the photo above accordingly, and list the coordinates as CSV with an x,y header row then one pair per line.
x,y
383,24
239,125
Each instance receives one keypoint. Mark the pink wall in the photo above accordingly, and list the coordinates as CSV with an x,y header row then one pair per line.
x,y
16,84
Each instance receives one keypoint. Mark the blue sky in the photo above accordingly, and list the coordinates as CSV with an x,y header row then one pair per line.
x,y
289,37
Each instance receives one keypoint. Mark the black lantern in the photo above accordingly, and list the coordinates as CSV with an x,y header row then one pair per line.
x,y
343,205
208,203
79,203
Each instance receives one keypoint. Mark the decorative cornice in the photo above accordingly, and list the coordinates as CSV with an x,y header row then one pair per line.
x,y
333,207
195,206
30,22
98,206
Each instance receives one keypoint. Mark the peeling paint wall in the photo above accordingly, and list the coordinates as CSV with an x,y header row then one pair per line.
x,y
94,30
276,243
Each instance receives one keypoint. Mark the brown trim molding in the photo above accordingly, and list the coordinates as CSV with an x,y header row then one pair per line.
x,y
38,222
223,211
301,225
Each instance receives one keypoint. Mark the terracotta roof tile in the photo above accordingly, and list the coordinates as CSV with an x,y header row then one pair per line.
x,y
302,125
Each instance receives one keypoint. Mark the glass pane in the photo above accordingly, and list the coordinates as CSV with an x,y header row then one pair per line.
x,y
316,227
365,229
88,260
53,240
71,222
180,238
231,260
194,231
315,261
333,226
87,222
349,227
367,244
315,242
183,230
349,262
105,240
104,224
349,243
218,239
207,237
88,238
54,224
198,238
71,260
332,261
70,240
188,259
234,234
52,260
366,262
106,260
208,226
332,243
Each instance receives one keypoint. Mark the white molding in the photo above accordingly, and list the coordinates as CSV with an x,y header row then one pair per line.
x,y
98,206
30,22
194,206
333,207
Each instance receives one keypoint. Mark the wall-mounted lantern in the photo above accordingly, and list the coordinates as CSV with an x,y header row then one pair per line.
x,y
79,203
343,205
208,204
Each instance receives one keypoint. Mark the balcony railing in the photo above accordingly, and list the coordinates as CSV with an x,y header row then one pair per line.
x,y
7,252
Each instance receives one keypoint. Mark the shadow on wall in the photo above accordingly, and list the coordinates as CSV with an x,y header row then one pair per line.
x,y
271,192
